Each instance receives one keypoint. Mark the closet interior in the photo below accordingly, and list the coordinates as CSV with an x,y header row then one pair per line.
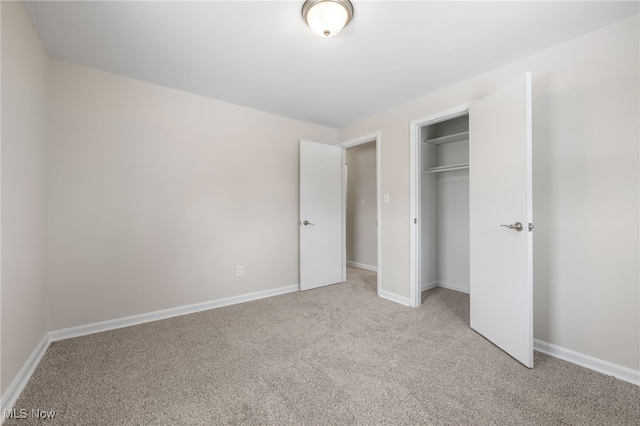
x,y
444,204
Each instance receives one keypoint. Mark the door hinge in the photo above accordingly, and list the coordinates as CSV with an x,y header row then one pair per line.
x,y
415,220
530,227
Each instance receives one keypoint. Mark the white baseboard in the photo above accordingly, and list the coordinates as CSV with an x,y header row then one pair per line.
x,y
15,388
428,286
394,297
434,284
592,363
97,327
362,266
454,287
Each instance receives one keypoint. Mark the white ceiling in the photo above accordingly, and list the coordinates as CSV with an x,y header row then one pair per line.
x,y
262,55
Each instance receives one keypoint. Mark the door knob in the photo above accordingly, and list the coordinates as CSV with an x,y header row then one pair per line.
x,y
517,226
306,222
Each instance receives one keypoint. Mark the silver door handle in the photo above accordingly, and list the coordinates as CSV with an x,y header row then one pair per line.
x,y
306,222
517,226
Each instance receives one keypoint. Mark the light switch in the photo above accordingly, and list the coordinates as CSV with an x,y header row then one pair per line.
x,y
386,198
362,202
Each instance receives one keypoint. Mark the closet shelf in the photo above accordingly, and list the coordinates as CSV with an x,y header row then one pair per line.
x,y
447,168
449,138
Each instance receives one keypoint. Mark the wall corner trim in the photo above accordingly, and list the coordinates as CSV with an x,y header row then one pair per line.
x,y
592,363
394,297
17,386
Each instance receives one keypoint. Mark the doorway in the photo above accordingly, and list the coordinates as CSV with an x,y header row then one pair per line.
x,y
362,211
439,179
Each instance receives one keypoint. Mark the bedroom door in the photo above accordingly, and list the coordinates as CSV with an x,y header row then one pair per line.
x,y
501,219
321,174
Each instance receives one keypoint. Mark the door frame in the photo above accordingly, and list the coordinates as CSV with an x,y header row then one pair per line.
x,y
371,137
415,284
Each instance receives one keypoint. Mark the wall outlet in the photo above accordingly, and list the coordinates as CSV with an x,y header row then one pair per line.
x,y
239,271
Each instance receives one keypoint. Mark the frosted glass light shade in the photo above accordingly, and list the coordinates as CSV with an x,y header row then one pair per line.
x,y
327,17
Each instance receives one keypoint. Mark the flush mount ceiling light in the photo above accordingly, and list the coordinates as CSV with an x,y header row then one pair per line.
x,y
327,17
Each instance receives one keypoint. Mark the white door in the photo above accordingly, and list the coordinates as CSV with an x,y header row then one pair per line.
x,y
500,193
320,214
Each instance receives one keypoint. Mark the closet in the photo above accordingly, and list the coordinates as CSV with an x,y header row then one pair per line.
x,y
444,204
472,214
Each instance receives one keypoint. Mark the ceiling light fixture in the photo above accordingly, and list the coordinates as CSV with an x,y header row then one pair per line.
x,y
327,17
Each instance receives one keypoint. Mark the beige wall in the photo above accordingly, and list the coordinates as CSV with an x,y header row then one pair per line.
x,y
24,133
156,196
586,188
361,220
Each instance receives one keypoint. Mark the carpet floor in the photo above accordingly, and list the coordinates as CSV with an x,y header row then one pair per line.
x,y
331,356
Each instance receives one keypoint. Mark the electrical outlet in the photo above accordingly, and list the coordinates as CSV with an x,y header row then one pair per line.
x,y
239,271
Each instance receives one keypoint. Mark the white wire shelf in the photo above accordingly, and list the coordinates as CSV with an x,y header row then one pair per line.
x,y
449,138
447,168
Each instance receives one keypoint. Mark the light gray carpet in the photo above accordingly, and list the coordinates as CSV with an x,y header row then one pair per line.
x,y
337,355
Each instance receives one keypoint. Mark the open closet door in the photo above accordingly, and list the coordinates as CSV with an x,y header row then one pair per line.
x,y
321,260
500,204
